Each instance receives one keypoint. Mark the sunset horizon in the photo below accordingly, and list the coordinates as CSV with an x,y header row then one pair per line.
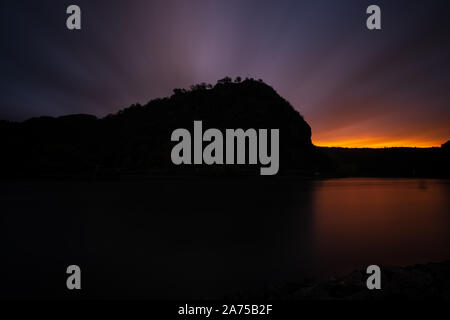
x,y
375,143
226,158
355,87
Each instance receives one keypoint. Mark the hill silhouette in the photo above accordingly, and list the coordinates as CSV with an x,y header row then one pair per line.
x,y
136,141
446,146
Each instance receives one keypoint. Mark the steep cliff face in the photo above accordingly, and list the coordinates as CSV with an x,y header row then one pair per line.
x,y
138,139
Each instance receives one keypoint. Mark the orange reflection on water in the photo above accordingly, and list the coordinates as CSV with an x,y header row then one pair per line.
x,y
358,222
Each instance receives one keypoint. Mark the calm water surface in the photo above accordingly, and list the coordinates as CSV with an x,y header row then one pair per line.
x,y
206,239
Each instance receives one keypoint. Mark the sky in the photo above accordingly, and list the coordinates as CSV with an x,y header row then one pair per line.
x,y
355,87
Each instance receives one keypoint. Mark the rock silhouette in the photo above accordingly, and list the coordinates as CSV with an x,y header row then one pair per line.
x,y
136,141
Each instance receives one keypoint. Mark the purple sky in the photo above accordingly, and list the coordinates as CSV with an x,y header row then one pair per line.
x,y
354,86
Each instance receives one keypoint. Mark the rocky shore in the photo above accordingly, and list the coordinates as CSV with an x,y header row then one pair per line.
x,y
423,281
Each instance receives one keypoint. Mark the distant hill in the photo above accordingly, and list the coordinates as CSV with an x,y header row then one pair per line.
x,y
137,140
386,162
446,146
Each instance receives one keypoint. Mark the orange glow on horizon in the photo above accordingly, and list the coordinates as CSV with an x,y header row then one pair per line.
x,y
377,143
387,131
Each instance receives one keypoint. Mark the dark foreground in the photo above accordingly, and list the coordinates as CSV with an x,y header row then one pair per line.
x,y
422,281
207,239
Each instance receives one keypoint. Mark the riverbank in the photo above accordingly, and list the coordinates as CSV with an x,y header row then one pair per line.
x,y
417,282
